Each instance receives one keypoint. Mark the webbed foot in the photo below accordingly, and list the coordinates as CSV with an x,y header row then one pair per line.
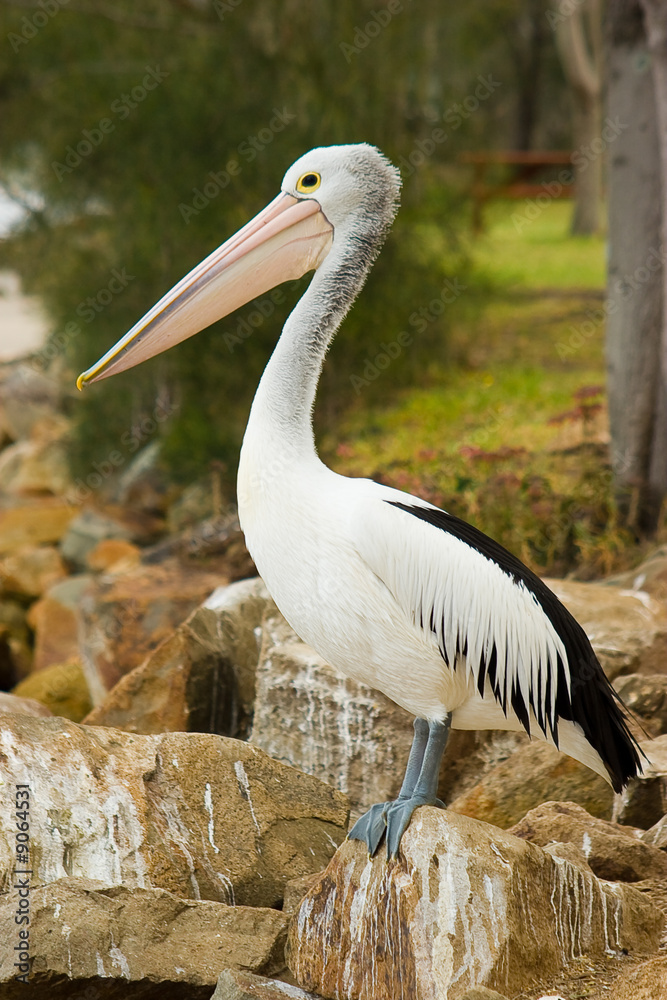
x,y
370,827
398,816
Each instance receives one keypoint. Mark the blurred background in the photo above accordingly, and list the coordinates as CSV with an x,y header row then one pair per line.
x,y
137,136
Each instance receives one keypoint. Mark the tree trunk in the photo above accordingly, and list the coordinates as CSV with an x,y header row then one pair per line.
x,y
582,68
655,17
526,43
636,269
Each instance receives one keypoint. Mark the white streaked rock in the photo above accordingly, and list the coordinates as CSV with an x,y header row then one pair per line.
x,y
466,905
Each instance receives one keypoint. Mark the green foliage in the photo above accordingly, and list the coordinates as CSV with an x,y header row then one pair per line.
x,y
511,435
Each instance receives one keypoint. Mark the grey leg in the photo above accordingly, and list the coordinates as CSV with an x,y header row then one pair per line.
x,y
414,765
399,813
370,827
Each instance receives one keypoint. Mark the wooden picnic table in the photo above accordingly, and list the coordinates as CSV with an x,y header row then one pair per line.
x,y
520,184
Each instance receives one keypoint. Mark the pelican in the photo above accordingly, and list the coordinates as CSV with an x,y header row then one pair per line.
x,y
389,589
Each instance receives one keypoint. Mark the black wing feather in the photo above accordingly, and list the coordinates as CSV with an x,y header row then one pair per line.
x,y
591,701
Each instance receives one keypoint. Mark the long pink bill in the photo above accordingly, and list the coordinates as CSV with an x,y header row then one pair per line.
x,y
287,239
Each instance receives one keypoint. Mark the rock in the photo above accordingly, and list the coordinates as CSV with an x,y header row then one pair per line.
x,y
143,485
16,705
201,678
533,774
627,629
56,623
613,852
85,531
133,942
30,571
464,906
34,467
647,981
199,502
61,689
313,717
15,646
113,555
644,802
481,993
646,696
197,815
655,890
650,576
240,610
569,852
38,521
241,985
296,889
657,834
28,398
470,754
125,617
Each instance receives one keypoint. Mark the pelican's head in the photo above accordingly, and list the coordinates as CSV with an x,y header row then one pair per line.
x,y
331,195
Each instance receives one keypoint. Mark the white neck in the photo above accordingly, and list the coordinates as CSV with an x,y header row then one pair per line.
x,y
279,434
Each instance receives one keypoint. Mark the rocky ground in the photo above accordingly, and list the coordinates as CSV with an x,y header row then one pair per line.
x,y
179,771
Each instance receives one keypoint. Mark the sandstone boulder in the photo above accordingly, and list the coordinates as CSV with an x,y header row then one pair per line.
x,y
126,616
464,906
200,816
61,689
481,993
30,571
55,620
38,521
16,654
85,532
471,754
644,802
16,705
531,775
646,981
650,576
241,985
646,696
657,834
143,484
318,720
113,555
201,678
28,398
627,628
34,467
133,942
613,852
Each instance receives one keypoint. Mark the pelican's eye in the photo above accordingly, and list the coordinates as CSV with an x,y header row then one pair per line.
x,y
308,182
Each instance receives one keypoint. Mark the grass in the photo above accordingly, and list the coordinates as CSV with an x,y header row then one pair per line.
x,y
512,434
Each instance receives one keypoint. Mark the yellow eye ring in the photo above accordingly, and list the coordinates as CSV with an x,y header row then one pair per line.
x,y
308,183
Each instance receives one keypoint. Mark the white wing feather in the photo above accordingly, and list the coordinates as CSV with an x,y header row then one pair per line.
x,y
465,599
